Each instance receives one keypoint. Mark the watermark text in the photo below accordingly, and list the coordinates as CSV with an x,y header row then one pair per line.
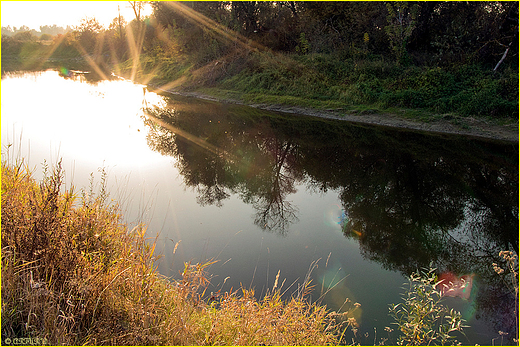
x,y
25,341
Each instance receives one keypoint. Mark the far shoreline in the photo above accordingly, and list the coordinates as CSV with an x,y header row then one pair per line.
x,y
472,127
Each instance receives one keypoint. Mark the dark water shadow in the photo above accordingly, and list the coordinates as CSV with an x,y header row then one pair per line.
x,y
410,199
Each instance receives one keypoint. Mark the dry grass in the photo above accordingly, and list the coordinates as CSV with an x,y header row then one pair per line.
x,y
73,274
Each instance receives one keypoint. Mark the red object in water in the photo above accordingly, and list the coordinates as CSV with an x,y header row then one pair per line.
x,y
456,286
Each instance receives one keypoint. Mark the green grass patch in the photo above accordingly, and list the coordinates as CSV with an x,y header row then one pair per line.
x,y
36,56
330,81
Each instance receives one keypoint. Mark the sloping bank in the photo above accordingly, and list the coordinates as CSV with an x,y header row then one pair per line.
x,y
467,100
448,124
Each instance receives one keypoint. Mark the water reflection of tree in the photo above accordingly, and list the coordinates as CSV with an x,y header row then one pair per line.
x,y
250,162
409,199
274,212
410,207
399,211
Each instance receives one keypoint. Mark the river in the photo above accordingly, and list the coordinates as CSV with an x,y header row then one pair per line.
x,y
357,207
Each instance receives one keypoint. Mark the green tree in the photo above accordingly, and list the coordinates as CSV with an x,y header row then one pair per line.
x,y
118,25
52,30
340,26
46,37
245,14
87,33
455,32
8,31
197,29
116,38
402,19
24,36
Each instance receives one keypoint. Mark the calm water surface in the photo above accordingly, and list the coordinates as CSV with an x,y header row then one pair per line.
x,y
265,192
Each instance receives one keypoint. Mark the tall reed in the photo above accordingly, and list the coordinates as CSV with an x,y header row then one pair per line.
x,y
72,273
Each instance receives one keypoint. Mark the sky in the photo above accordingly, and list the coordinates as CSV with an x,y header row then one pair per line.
x,y
62,13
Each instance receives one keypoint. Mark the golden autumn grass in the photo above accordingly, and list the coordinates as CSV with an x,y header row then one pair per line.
x,y
72,274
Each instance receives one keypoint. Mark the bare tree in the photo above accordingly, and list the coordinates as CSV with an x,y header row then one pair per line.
x,y
137,7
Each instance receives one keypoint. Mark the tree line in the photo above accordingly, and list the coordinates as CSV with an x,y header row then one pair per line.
x,y
431,32
24,32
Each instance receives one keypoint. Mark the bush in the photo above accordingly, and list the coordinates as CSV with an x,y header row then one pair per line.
x,y
422,319
45,37
24,36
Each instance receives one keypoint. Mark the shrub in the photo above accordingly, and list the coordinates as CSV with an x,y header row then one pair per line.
x,y
421,319
508,270
45,37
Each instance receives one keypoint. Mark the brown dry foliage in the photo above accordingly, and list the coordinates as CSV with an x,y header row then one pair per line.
x,y
72,274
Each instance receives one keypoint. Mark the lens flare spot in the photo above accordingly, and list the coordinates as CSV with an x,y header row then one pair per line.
x,y
65,72
334,216
337,294
455,286
332,276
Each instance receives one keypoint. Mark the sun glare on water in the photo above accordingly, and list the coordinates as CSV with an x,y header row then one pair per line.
x,y
95,130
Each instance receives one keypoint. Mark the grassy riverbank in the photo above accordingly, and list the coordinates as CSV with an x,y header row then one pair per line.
x,y
73,274
37,55
362,84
